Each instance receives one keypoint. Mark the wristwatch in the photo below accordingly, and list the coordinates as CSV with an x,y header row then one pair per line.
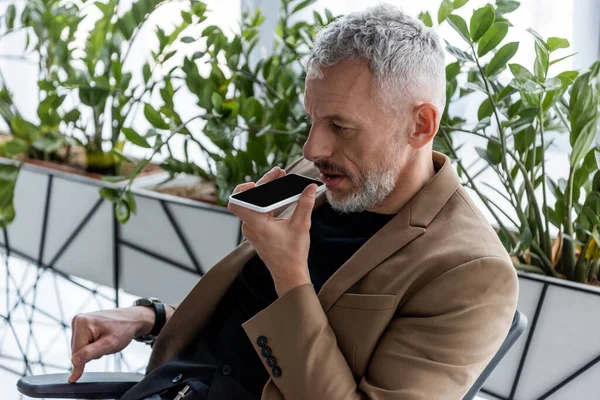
x,y
159,321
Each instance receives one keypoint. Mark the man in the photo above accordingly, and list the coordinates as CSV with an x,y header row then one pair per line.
x,y
391,285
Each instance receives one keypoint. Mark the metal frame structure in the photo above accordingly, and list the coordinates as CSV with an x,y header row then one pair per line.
x,y
546,283
20,291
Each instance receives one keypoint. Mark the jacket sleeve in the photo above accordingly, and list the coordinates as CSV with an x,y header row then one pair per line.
x,y
435,347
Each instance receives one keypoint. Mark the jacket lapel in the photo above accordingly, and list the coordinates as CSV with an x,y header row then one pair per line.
x,y
410,223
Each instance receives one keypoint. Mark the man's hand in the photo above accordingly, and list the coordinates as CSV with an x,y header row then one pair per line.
x,y
281,243
101,333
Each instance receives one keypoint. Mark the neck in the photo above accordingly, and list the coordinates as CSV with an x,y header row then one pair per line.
x,y
414,176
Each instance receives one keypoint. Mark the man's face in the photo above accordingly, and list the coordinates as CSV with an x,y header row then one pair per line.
x,y
358,146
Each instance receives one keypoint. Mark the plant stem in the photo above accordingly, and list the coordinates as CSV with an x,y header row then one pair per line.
x,y
581,272
568,247
562,118
446,138
501,132
546,239
529,268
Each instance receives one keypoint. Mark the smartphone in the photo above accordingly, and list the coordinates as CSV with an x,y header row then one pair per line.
x,y
272,195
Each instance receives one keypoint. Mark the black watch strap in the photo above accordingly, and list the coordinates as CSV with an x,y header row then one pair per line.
x,y
160,318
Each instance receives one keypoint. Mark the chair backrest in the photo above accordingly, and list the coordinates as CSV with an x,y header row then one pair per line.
x,y
518,326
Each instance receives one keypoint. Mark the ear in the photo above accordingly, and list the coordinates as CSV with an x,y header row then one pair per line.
x,y
426,125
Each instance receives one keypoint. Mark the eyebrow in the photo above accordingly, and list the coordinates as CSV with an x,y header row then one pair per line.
x,y
336,117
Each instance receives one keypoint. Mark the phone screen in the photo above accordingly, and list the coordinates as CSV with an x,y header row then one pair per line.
x,y
275,191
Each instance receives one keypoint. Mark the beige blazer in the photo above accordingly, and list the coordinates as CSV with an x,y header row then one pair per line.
x,y
415,314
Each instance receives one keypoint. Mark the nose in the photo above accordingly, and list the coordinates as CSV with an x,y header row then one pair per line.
x,y
319,144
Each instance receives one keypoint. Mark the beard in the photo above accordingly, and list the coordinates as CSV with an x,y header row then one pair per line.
x,y
370,186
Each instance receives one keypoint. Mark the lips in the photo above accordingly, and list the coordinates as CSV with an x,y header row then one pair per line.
x,y
331,180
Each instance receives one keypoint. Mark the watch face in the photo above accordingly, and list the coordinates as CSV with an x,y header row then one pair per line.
x,y
143,302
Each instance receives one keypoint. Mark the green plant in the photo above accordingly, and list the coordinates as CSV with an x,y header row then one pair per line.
x,y
86,97
515,120
253,111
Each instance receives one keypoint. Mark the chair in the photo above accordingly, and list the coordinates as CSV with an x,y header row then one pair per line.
x,y
516,329
110,385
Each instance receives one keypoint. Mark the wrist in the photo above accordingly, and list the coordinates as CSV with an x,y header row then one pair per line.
x,y
284,285
145,318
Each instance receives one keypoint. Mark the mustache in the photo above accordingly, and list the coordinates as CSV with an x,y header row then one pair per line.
x,y
329,167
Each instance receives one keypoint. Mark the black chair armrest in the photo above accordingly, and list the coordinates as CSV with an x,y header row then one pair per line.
x,y
92,385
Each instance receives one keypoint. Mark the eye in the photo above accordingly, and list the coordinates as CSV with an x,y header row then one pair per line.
x,y
338,128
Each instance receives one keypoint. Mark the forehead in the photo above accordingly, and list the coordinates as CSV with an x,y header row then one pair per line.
x,y
348,83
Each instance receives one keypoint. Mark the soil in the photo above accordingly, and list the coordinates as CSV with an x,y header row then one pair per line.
x,y
205,192
76,164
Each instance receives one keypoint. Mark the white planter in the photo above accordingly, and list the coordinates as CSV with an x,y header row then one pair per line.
x,y
558,355
63,223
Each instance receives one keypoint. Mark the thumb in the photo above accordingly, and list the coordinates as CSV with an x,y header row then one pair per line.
x,y
306,203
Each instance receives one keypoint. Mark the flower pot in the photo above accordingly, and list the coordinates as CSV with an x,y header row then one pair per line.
x,y
63,223
558,356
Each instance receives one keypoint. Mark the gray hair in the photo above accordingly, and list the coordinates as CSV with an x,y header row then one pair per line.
x,y
405,57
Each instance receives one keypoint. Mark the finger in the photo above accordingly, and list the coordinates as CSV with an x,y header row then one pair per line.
x,y
80,338
249,216
243,187
88,353
303,211
273,174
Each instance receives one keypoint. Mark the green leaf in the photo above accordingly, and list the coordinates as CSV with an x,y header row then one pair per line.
x,y
459,3
506,6
14,147
138,168
520,71
11,13
154,117
120,156
492,38
538,38
72,116
217,101
135,138
113,179
555,43
502,57
540,67
554,189
122,211
8,179
257,152
526,238
46,85
188,39
562,58
485,109
147,73
109,194
48,143
458,53
481,22
302,6
452,70
24,128
198,54
445,9
425,17
459,26
131,201
567,77
584,141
